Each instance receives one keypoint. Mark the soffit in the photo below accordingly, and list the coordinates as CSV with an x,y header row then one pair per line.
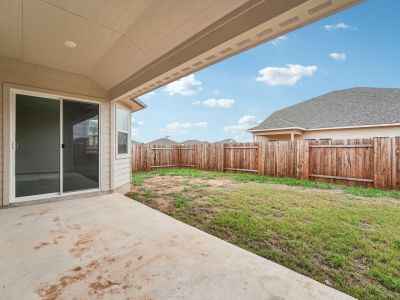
x,y
130,47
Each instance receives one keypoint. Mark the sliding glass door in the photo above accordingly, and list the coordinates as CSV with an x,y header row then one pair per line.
x,y
37,146
80,146
56,146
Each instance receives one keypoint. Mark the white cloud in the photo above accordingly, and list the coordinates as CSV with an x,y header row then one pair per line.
x,y
222,103
216,92
186,86
279,40
340,25
337,55
135,132
285,76
179,127
135,124
243,124
148,95
240,129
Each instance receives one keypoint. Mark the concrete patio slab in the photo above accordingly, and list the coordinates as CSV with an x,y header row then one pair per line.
x,y
111,247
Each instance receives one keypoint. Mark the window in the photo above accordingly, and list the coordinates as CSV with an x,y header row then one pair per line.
x,y
122,117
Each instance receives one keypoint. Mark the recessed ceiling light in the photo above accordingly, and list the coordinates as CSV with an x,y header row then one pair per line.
x,y
70,44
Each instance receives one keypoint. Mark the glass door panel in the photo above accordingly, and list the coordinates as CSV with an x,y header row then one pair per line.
x,y
37,146
80,146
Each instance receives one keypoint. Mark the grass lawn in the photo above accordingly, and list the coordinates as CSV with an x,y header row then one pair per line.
x,y
347,238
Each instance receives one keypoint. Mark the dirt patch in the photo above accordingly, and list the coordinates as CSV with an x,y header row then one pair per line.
x,y
163,185
162,204
215,182
163,190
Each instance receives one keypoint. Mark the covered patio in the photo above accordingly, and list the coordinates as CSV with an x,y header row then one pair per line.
x,y
112,247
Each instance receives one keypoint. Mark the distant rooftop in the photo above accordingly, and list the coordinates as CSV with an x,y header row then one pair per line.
x,y
343,108
193,142
163,141
225,141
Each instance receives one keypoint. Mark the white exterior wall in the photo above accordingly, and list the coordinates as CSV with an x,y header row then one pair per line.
x,y
29,77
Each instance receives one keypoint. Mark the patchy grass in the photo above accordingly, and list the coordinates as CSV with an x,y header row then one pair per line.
x,y
331,233
138,179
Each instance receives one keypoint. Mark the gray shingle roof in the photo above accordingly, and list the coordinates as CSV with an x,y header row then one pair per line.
x,y
136,142
162,141
351,107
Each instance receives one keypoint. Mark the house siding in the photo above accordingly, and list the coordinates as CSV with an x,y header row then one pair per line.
x,y
335,134
122,165
35,78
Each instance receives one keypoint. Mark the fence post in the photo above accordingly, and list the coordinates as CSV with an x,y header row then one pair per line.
x,y
393,162
396,154
382,163
150,157
306,160
221,149
261,158
179,155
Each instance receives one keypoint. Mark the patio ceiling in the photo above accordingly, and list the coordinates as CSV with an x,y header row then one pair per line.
x,y
130,47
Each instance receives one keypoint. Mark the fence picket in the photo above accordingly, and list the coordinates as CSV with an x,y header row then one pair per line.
x,y
368,162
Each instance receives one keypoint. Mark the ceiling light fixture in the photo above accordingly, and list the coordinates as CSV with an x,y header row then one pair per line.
x,y
70,44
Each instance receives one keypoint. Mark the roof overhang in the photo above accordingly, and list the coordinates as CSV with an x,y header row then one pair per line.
x,y
277,129
300,129
134,104
132,47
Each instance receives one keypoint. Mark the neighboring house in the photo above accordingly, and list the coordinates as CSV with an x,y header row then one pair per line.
x,y
193,142
133,142
70,75
345,114
226,141
163,141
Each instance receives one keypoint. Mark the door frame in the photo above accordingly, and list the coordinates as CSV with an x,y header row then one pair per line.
x,y
13,93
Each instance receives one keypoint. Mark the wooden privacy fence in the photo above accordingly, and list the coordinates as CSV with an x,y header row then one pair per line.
x,y
368,162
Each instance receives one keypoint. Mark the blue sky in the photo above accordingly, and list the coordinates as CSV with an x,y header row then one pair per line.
x,y
356,47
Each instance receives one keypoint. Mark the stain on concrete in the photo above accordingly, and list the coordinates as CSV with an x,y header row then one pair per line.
x,y
54,291
102,285
41,245
27,215
84,243
45,211
98,280
75,226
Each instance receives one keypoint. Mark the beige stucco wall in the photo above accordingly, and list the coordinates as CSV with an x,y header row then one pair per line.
x,y
354,133
275,137
35,78
335,134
